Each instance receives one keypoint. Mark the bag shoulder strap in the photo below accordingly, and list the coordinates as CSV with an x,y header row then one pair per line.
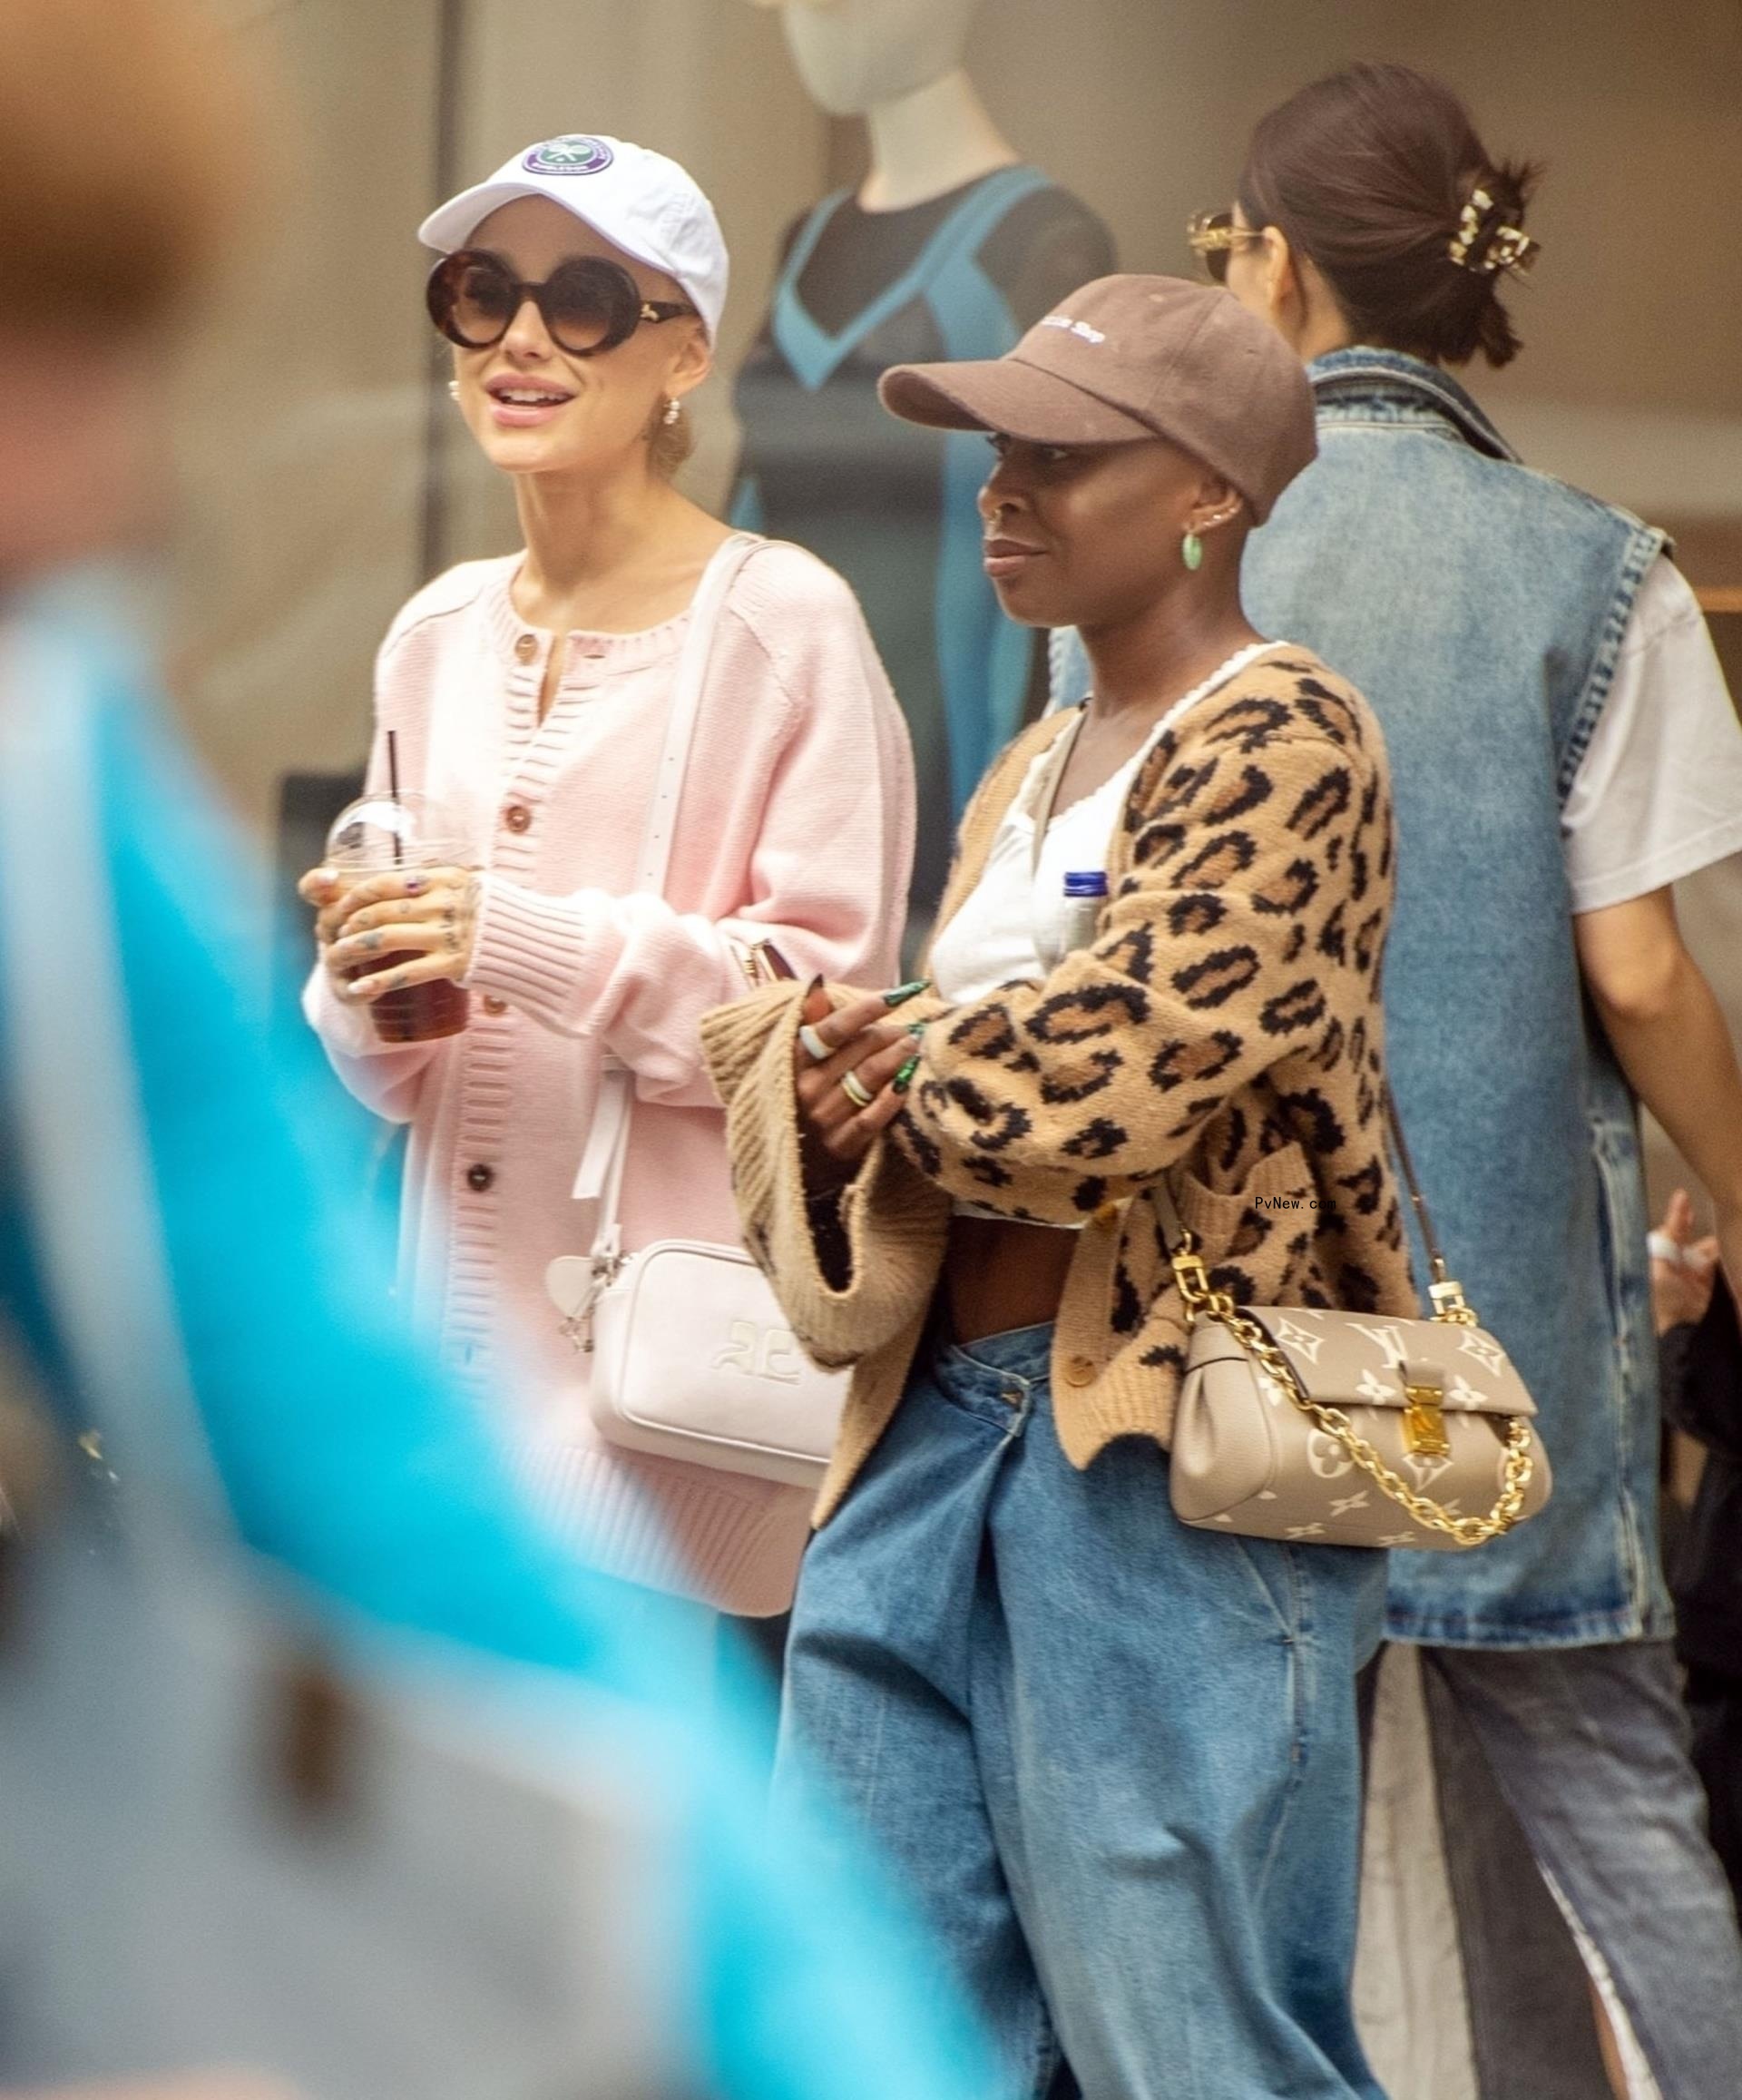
x,y
601,1175
688,685
1441,1289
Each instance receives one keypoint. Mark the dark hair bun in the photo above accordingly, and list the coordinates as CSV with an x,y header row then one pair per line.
x,y
1368,173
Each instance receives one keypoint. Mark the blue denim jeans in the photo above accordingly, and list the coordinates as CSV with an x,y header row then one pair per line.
x,y
1114,1759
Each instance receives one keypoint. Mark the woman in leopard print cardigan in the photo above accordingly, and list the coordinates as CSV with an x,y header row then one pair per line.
x,y
1115,1756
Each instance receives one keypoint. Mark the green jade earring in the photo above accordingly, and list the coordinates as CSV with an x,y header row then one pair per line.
x,y
1191,549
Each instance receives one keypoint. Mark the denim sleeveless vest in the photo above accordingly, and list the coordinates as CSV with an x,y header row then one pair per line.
x,y
1480,606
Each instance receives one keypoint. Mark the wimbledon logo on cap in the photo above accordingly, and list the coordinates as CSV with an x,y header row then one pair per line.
x,y
573,154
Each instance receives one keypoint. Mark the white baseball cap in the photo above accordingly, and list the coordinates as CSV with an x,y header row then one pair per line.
x,y
640,200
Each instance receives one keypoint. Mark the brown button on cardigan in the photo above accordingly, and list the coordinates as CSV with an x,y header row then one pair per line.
x,y
1224,1030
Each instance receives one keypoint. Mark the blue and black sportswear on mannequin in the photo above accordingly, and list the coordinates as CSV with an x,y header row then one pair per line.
x,y
889,505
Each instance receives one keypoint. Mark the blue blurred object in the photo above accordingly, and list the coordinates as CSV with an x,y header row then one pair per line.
x,y
190,1280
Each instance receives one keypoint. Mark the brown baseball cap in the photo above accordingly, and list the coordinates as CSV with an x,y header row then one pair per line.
x,y
1131,358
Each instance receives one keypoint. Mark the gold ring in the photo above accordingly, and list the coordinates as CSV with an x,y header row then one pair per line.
x,y
854,1089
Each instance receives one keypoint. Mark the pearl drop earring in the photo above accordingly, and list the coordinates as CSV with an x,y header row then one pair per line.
x,y
454,390
673,410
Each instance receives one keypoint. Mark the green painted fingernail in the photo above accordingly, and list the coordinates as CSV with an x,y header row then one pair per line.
x,y
917,1029
903,1079
903,993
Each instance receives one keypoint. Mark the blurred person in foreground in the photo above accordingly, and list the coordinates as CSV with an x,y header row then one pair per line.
x,y
195,1345
1564,751
1700,1357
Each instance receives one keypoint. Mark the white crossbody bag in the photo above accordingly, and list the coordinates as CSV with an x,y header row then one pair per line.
x,y
693,1358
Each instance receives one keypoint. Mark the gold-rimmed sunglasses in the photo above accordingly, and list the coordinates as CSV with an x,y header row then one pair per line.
x,y
1212,237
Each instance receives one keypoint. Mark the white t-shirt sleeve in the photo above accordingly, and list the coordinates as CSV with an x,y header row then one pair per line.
x,y
1657,795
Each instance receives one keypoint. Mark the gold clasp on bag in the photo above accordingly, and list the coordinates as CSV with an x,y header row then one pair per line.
x,y
1198,1294
1425,1423
1450,1304
1190,1275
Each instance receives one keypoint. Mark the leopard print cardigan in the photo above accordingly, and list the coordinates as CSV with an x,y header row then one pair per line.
x,y
1223,1031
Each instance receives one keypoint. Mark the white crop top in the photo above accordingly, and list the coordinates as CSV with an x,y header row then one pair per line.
x,y
1014,925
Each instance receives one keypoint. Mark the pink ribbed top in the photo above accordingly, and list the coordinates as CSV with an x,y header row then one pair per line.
x,y
795,824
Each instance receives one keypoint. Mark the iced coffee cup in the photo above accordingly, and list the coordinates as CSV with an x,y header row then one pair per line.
x,y
389,835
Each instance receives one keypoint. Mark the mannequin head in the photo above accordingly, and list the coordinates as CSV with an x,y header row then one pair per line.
x,y
854,56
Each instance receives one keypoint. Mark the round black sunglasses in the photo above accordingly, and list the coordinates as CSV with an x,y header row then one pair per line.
x,y
589,305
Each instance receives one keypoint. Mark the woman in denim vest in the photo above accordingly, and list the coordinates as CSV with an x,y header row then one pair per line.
x,y
1563,751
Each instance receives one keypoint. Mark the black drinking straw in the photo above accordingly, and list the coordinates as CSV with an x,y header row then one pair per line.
x,y
393,791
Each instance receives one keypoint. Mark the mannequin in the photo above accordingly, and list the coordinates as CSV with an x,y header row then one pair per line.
x,y
951,247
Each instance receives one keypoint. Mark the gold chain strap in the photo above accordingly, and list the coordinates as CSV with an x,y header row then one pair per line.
x,y
1202,1301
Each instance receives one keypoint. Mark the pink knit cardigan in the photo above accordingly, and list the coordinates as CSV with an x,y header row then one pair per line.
x,y
795,824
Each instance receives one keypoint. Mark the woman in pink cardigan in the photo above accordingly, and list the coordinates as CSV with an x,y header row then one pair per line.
x,y
581,286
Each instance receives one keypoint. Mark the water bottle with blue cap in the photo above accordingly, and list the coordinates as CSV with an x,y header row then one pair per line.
x,y
1085,893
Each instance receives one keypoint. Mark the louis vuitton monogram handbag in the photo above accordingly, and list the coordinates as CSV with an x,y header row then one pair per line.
x,y
1334,1428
